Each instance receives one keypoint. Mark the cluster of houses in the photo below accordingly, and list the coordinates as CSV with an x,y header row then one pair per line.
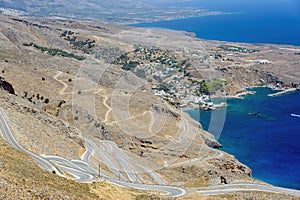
x,y
185,97
170,78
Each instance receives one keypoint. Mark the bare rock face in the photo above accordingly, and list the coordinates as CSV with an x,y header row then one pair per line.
x,y
211,141
161,110
6,86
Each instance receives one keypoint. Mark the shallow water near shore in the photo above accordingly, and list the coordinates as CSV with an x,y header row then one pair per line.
x,y
261,132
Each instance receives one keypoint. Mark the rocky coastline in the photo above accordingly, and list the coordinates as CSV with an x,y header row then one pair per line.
x,y
209,106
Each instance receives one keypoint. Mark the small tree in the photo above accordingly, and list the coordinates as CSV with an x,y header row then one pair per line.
x,y
203,87
141,153
141,73
46,101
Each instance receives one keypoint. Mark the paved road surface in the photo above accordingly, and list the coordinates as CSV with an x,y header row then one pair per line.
x,y
104,158
186,129
80,176
169,190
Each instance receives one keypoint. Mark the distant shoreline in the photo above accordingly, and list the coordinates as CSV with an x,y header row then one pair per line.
x,y
212,13
235,36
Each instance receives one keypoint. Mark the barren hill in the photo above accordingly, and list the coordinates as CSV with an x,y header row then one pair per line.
x,y
84,104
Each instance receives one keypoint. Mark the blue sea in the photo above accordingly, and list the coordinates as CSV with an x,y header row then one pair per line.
x,y
269,142
253,21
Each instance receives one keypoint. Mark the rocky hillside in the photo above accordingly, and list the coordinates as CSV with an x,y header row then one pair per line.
x,y
68,83
21,178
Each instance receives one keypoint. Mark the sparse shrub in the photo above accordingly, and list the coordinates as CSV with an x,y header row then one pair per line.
x,y
60,103
46,101
129,66
54,51
141,73
211,86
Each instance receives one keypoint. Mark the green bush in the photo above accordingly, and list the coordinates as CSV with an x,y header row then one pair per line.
x,y
129,66
211,86
54,51
141,73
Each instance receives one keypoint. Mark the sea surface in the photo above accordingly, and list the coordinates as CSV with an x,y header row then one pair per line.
x,y
253,21
261,133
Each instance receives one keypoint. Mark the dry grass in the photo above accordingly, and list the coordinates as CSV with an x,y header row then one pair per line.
x,y
251,196
194,183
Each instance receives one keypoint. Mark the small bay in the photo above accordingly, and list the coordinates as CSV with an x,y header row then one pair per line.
x,y
261,132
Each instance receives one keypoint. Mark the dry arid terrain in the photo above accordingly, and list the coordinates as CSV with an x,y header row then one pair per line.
x,y
21,178
117,11
86,92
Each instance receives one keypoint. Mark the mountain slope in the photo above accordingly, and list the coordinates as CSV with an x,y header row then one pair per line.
x,y
72,93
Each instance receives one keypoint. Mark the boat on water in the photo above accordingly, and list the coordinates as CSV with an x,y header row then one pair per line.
x,y
295,115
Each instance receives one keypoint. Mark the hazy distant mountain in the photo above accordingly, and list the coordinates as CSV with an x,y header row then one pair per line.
x,y
119,11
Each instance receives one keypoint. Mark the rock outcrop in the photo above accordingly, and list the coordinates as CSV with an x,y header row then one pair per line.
x,y
6,86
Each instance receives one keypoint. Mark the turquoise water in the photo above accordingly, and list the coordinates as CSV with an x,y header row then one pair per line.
x,y
253,21
269,143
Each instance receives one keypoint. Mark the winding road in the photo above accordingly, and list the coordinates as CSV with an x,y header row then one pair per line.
x,y
108,107
186,129
83,171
